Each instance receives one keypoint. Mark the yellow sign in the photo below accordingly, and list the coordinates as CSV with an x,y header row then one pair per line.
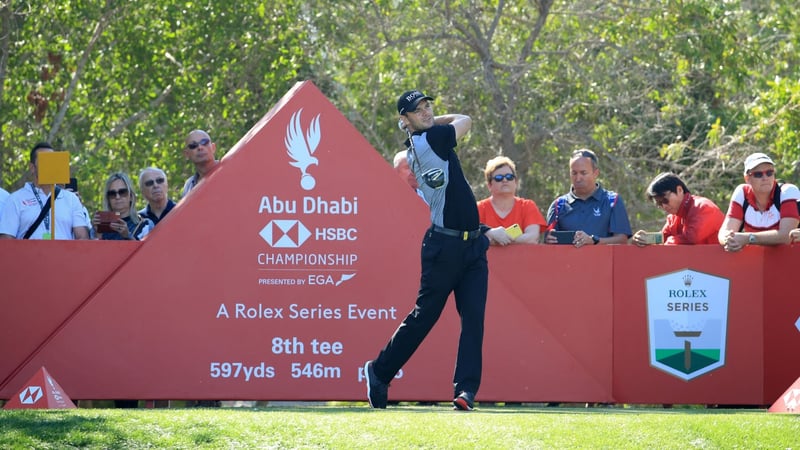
x,y
53,167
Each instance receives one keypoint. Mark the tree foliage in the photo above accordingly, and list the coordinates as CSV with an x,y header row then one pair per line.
x,y
688,86
120,84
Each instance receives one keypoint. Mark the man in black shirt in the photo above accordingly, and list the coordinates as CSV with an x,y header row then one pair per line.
x,y
453,254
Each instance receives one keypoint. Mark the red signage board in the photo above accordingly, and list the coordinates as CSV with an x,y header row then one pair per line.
x,y
275,271
293,263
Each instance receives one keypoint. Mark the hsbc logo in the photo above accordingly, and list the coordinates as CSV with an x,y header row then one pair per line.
x,y
285,233
30,395
792,400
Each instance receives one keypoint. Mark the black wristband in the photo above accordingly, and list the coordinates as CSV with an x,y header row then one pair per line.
x,y
595,239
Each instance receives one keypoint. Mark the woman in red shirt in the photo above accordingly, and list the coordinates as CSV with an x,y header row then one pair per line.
x,y
503,209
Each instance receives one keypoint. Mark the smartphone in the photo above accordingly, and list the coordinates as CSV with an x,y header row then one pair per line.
x,y
514,231
654,238
72,185
564,237
106,218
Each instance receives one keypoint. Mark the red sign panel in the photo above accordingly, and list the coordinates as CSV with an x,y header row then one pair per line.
x,y
294,261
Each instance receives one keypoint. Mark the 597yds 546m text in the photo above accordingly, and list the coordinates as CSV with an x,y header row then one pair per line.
x,y
239,370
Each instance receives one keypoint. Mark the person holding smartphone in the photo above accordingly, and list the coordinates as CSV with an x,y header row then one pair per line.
x,y
591,213
119,220
513,220
453,254
691,219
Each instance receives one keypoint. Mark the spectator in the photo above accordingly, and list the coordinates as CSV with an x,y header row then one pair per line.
x,y
72,186
3,197
26,214
453,254
121,199
691,219
504,209
794,235
155,189
762,211
405,173
597,216
154,186
200,151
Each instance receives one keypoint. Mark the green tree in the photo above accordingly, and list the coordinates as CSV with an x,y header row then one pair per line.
x,y
689,86
119,84
652,86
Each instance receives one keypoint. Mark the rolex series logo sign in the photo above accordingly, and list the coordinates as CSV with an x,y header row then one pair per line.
x,y
687,318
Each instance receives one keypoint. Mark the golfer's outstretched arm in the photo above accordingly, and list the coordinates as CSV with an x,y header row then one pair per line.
x,y
460,122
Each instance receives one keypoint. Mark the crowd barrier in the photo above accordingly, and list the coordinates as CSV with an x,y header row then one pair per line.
x,y
562,325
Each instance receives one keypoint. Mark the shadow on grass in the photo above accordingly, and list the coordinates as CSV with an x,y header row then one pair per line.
x,y
34,426
445,407
104,428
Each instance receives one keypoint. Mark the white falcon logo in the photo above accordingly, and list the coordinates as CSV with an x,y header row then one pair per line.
x,y
300,148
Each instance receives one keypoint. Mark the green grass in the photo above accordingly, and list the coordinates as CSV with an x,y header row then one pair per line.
x,y
356,426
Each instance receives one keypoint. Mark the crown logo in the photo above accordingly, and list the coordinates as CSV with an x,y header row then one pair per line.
x,y
687,280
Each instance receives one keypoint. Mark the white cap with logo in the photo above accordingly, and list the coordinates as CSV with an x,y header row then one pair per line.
x,y
754,160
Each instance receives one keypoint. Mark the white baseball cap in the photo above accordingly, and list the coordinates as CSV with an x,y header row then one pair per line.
x,y
754,160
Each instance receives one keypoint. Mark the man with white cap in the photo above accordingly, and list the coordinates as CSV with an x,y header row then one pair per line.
x,y
762,211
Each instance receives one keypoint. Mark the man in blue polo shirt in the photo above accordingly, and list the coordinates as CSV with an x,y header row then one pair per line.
x,y
3,197
453,254
597,216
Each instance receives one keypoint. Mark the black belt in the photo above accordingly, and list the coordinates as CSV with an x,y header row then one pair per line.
x,y
464,235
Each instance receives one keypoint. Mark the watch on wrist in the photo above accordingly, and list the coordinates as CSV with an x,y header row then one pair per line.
x,y
595,239
751,239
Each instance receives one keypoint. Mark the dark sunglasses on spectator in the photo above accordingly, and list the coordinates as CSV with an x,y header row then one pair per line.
x,y
194,145
663,199
508,176
762,173
150,183
120,192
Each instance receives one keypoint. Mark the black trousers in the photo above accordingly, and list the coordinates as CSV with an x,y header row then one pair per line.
x,y
449,264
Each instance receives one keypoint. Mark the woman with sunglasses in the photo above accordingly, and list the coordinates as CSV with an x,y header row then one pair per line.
x,y
507,214
121,199
761,211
